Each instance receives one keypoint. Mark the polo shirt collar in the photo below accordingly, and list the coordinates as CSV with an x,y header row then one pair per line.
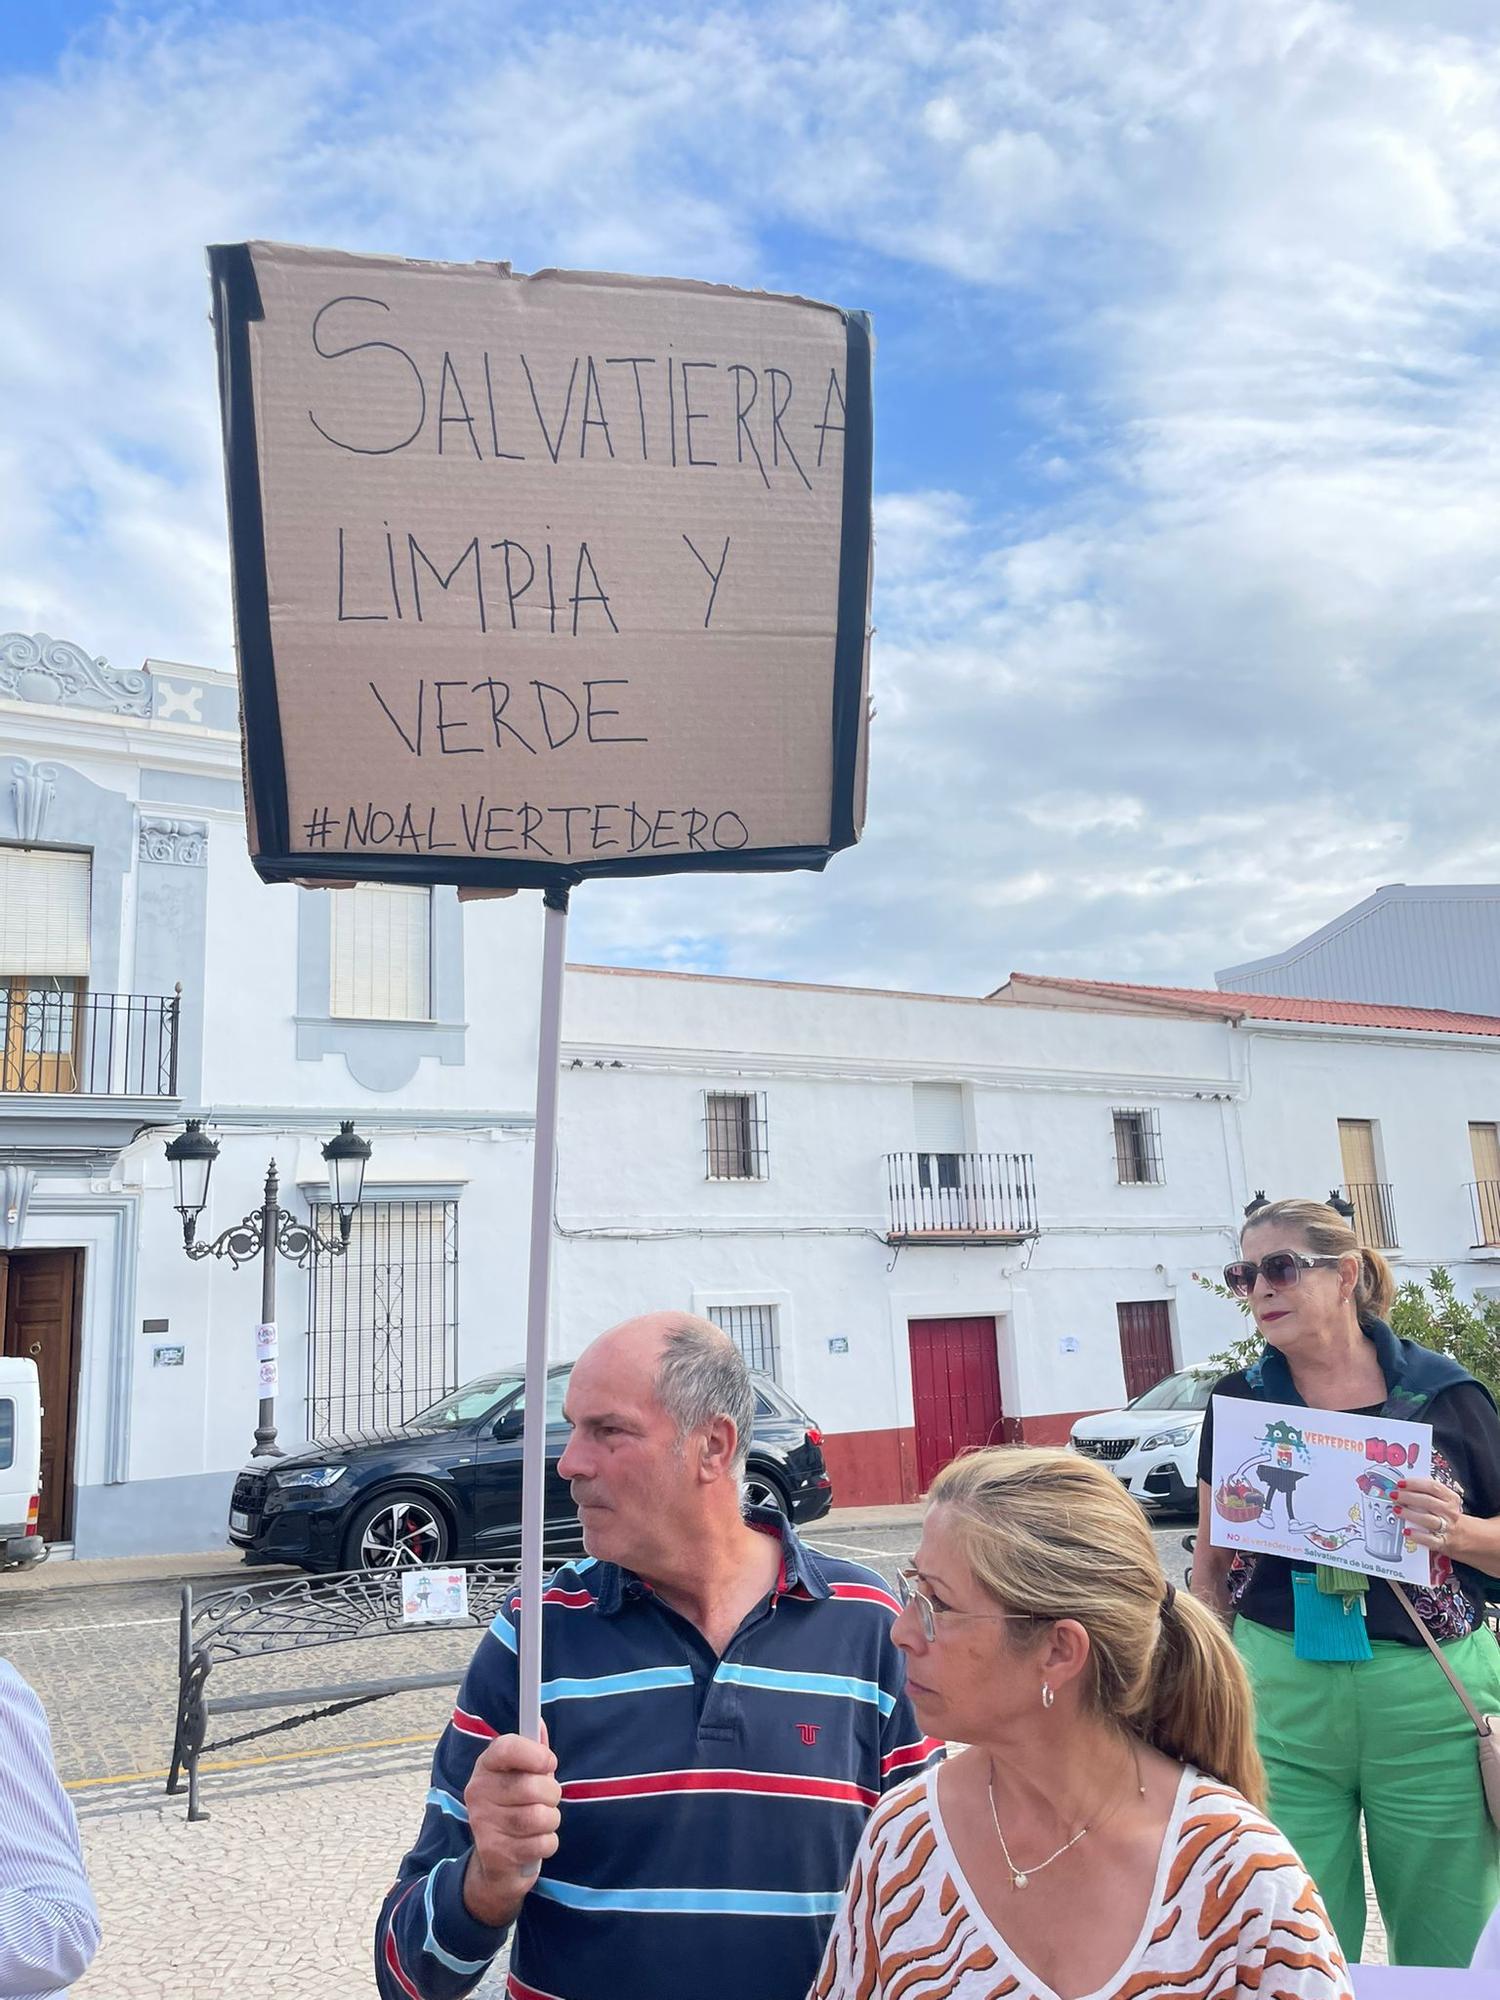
x,y
801,1575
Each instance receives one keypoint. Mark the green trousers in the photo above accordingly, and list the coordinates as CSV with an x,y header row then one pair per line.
x,y
1388,1738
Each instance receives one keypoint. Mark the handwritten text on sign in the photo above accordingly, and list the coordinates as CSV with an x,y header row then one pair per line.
x,y
553,564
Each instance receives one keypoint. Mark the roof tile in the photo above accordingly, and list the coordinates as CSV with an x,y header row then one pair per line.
x,y
1281,1007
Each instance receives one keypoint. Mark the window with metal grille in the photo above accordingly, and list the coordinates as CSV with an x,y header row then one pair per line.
x,y
380,952
382,1320
735,1127
753,1331
1138,1159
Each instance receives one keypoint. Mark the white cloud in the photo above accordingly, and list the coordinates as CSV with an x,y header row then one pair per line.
x,y
1206,655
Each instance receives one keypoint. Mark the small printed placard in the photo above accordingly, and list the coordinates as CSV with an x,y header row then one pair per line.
x,y
433,1596
167,1357
1317,1486
838,1343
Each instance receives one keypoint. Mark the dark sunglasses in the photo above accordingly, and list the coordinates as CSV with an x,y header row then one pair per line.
x,y
1281,1270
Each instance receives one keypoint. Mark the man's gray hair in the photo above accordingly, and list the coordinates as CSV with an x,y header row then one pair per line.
x,y
701,1376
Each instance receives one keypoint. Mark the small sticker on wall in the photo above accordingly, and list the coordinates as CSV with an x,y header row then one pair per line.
x,y
838,1343
167,1357
1068,1344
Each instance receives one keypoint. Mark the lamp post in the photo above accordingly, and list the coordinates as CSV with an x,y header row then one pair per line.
x,y
268,1231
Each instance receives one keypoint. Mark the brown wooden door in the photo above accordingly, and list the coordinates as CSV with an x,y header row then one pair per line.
x,y
40,1050
42,1295
955,1382
1145,1344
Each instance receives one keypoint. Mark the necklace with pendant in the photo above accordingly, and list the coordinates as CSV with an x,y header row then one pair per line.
x,y
1021,1876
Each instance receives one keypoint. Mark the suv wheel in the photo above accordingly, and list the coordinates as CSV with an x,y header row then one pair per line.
x,y
397,1531
761,1490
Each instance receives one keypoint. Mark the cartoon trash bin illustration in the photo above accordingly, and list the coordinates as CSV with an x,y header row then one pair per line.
x,y
1383,1529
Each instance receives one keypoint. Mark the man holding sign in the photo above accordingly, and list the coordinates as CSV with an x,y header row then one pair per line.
x,y
723,1710
1393,1455
540,580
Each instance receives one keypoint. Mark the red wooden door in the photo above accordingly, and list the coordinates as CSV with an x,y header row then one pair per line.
x,y
955,1385
1145,1344
41,1321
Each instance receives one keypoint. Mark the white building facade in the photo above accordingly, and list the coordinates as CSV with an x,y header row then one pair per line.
x,y
148,977
946,1221
937,1220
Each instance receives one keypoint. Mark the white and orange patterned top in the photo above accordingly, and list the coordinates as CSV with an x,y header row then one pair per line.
x,y
1232,1912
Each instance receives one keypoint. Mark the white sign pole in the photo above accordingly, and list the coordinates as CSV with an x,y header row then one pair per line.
x,y
534,1437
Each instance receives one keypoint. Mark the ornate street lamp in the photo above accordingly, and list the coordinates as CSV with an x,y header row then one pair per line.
x,y
267,1232
348,1155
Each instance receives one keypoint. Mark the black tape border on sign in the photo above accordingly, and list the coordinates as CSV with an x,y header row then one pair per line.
x,y
237,303
854,580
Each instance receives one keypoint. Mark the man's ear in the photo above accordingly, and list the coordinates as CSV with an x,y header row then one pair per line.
x,y
719,1445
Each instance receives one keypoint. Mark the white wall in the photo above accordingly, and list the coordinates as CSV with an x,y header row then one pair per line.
x,y
1237,1107
1420,1090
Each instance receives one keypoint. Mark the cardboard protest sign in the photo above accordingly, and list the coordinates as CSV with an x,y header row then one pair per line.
x,y
1316,1486
545,577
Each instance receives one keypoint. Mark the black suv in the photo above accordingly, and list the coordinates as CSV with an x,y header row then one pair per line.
x,y
446,1484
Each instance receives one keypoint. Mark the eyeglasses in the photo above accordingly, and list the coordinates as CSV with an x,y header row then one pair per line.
x,y
929,1613
1281,1270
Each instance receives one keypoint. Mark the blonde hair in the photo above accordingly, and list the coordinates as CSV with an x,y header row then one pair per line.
x,y
1328,1234
1050,1535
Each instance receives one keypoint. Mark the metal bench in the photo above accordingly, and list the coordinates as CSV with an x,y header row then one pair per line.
x,y
254,1620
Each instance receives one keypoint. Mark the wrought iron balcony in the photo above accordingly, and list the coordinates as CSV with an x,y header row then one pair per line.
x,y
1484,1199
87,1044
1374,1213
960,1197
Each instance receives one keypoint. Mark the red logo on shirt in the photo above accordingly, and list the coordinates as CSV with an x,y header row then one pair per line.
x,y
808,1731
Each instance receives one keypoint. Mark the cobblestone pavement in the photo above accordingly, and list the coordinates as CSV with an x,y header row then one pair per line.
x,y
273,1897
276,1894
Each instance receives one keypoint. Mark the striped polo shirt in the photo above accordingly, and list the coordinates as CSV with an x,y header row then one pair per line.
x,y
711,1805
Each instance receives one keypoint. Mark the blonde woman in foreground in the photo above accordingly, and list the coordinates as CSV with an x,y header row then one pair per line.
x,y
1101,1838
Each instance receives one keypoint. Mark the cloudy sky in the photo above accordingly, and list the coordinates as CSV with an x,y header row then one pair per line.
x,y
1188,461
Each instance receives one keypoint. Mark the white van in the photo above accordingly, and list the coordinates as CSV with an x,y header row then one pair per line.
x,y
20,1462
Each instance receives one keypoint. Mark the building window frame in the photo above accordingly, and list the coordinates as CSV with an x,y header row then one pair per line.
x,y
426,1305
1484,1158
736,1140
1373,1200
381,1055
755,1331
347,903
1139,1161
710,1299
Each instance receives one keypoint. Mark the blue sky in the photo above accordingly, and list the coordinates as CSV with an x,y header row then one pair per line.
x,y
1188,500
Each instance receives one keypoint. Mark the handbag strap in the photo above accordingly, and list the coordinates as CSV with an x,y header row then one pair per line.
x,y
1480,1722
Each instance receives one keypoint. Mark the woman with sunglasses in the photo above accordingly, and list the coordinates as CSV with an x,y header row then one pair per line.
x,y
1354,1716
1101,1834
